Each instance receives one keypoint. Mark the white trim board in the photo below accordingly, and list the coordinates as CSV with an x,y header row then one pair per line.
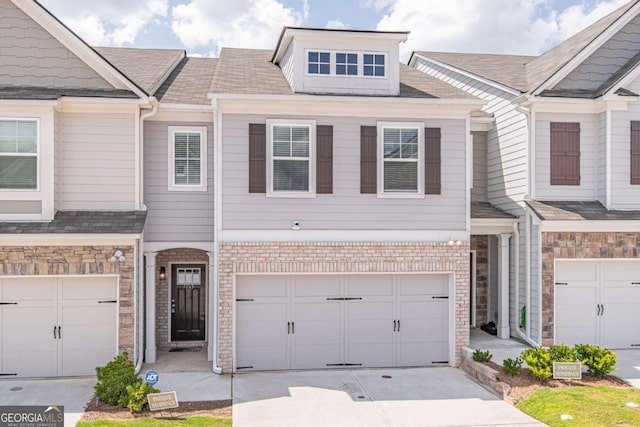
x,y
590,226
163,246
311,236
69,239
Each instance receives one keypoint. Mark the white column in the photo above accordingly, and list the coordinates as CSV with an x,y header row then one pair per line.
x,y
150,306
503,287
212,312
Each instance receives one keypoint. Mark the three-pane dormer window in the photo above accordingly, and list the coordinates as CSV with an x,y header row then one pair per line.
x,y
373,64
347,64
319,63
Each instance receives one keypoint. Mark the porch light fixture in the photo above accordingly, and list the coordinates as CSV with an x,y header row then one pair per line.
x,y
118,255
452,242
163,273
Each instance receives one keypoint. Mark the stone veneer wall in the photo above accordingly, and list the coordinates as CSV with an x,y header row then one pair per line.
x,y
78,260
163,289
578,245
480,244
351,257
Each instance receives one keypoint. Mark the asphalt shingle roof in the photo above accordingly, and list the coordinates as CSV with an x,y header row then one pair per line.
x,y
82,222
145,67
189,82
49,93
484,210
579,211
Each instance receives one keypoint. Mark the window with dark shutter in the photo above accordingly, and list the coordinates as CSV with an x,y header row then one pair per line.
x,y
257,158
565,153
635,153
432,161
368,159
324,159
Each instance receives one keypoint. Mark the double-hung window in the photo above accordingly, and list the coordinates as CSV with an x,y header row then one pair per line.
x,y
401,163
373,64
18,154
347,64
187,159
292,153
319,63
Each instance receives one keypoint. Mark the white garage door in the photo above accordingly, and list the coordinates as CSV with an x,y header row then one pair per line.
x,y
598,302
332,321
57,326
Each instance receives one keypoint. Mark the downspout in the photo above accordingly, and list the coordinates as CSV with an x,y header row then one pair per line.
x,y
217,161
139,289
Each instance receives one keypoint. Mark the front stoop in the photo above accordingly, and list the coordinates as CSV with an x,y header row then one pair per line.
x,y
484,375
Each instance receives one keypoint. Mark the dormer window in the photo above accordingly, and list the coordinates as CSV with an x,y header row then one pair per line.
x,y
373,64
319,63
347,64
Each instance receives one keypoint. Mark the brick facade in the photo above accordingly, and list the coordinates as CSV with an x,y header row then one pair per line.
x,y
238,258
578,245
163,289
480,244
79,260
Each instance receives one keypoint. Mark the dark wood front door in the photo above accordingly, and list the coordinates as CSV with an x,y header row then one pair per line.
x,y
188,302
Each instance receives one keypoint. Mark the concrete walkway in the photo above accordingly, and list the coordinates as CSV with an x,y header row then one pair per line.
x,y
500,349
72,393
628,366
411,397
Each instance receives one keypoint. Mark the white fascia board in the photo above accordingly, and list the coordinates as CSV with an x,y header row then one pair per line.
x,y
588,50
590,226
76,45
482,124
492,226
27,103
208,108
342,236
631,76
462,72
163,246
346,98
181,116
70,239
575,105
97,105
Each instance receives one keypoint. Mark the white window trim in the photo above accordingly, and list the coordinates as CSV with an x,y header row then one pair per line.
x,y
333,63
312,159
37,155
359,58
386,65
319,51
172,186
380,163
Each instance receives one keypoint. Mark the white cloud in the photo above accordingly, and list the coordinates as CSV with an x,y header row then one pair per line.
x,y
481,26
336,24
241,23
110,23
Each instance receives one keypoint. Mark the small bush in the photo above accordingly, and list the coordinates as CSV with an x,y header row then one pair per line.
x,y
482,356
539,362
599,361
138,395
512,366
562,353
113,379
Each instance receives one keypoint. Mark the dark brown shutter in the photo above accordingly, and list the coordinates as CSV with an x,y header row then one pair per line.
x,y
368,160
324,159
635,153
257,158
565,153
432,161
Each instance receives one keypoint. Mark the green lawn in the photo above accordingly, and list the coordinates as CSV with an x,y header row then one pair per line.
x,y
152,422
589,406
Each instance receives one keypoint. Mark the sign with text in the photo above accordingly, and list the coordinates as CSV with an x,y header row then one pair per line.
x,y
31,416
162,401
567,370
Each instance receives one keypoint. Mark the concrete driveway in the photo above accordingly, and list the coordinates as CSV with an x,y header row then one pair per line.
x,y
628,366
72,393
411,397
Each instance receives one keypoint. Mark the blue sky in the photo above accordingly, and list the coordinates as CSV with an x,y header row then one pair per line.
x,y
203,26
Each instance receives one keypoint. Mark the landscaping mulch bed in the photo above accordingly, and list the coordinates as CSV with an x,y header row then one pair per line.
x,y
97,410
525,384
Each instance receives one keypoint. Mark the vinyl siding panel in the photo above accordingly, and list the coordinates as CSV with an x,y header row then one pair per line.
x,y
479,190
287,65
589,130
32,57
175,216
346,208
96,162
604,62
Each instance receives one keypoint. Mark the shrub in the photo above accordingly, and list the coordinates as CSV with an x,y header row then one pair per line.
x,y
539,362
599,361
137,395
482,356
512,366
562,353
113,380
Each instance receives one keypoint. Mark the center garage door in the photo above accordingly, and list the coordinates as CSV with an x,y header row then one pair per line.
x,y
334,321
57,326
598,302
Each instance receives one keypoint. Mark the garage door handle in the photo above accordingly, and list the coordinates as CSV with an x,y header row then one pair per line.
x,y
602,312
598,310
54,332
394,326
288,327
398,326
293,327
59,332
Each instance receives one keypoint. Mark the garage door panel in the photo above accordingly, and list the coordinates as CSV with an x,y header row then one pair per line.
x,y
317,286
576,271
262,358
27,289
371,355
90,288
83,362
261,324
429,309
625,271
359,286
30,363
436,284
423,354
261,286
